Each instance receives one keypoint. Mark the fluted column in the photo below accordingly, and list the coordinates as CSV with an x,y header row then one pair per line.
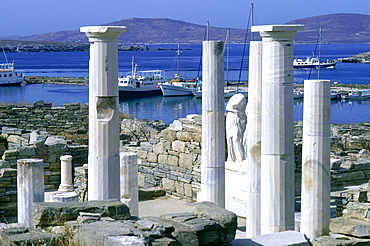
x,y
277,128
315,198
104,167
213,122
253,141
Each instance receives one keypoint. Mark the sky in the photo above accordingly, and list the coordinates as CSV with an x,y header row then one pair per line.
x,y
29,17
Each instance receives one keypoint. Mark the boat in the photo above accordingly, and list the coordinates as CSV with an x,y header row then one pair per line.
x,y
298,94
141,83
179,88
355,95
313,62
178,85
10,76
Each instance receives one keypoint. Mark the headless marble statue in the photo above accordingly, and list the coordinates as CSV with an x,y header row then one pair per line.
x,y
236,121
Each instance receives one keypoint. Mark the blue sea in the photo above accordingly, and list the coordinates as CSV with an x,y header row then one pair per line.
x,y
75,64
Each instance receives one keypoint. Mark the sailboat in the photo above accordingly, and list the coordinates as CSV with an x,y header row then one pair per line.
x,y
179,86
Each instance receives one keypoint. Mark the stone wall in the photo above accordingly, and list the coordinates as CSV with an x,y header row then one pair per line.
x,y
171,159
69,120
32,144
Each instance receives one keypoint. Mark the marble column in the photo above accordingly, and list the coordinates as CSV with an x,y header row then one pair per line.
x,y
253,141
104,167
129,182
315,197
277,128
30,188
213,122
66,183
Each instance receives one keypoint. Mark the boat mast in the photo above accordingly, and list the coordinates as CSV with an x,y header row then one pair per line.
x,y
178,59
320,43
2,46
227,44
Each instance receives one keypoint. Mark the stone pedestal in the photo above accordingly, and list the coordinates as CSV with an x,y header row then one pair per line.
x,y
277,128
253,141
66,184
315,198
129,181
213,125
236,179
30,188
104,167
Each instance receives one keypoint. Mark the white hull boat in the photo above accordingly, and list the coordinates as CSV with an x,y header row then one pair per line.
x,y
173,89
9,76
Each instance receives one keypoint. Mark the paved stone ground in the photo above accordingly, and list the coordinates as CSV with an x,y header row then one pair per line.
x,y
167,205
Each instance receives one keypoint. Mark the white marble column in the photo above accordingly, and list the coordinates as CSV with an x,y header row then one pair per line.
x,y
30,188
213,122
315,197
129,182
277,128
104,167
66,183
253,141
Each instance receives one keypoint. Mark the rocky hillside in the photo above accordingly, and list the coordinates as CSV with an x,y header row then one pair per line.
x,y
337,28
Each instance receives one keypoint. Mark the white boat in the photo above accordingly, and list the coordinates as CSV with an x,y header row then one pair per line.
x,y
298,94
141,83
179,88
9,76
356,95
313,62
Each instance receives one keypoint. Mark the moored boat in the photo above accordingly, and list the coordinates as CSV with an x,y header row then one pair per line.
x,y
179,88
141,83
313,62
10,76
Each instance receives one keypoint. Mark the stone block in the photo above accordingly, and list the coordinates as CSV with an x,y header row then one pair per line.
x,y
158,148
179,187
335,164
163,159
150,193
285,238
168,134
173,160
56,213
186,161
178,146
152,157
168,184
348,176
353,227
188,190
26,152
226,219
183,136
356,210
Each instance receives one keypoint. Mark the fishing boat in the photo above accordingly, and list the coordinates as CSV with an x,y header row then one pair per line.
x,y
313,62
141,83
10,76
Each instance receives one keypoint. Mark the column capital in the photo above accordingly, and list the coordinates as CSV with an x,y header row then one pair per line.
x,y
103,33
66,157
278,32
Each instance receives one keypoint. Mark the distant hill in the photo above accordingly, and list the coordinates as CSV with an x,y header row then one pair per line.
x,y
337,28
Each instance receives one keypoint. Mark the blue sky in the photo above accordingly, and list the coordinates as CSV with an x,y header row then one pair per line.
x,y
27,17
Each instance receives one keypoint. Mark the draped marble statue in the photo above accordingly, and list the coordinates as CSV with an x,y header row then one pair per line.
x,y
236,121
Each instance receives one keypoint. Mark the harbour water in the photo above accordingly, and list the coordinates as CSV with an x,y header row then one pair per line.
x,y
75,64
